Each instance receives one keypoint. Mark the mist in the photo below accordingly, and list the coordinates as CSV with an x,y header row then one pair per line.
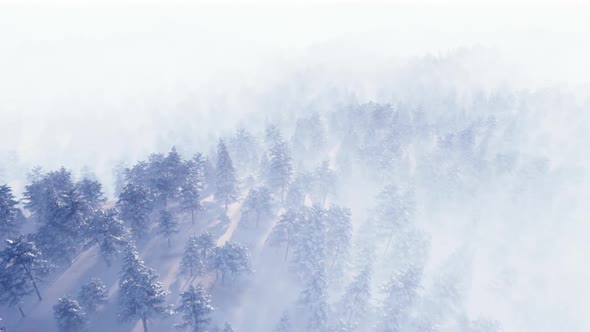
x,y
469,123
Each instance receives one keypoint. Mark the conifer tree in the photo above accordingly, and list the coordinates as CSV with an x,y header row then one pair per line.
x,y
135,206
108,231
280,166
284,232
197,254
141,296
21,260
227,187
195,308
168,224
11,217
257,203
92,294
69,315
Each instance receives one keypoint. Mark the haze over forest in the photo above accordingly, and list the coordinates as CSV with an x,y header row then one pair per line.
x,y
297,167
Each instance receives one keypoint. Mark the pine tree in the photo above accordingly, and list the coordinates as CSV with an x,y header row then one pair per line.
x,y
92,294
13,287
168,224
354,306
195,308
140,295
197,254
11,217
21,259
338,238
91,194
313,303
168,176
243,148
69,316
231,258
227,187
325,182
135,206
190,189
395,210
310,250
108,231
259,203
119,175
280,166
63,208
401,295
284,232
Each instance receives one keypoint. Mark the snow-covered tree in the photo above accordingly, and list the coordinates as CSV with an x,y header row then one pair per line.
x,y
195,308
243,148
119,176
284,231
63,208
93,294
21,259
135,206
69,315
227,185
11,217
280,166
13,287
401,293
313,303
272,134
258,203
338,237
310,251
141,296
91,193
325,180
231,258
108,231
168,176
190,189
168,225
354,306
199,170
395,210
197,254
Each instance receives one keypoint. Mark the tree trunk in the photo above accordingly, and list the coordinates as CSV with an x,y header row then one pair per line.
x,y
34,284
257,219
168,242
193,216
22,313
144,322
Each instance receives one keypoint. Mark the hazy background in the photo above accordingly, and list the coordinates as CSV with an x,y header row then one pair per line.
x,y
88,83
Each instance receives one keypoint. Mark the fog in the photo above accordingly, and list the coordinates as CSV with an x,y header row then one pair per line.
x,y
489,136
